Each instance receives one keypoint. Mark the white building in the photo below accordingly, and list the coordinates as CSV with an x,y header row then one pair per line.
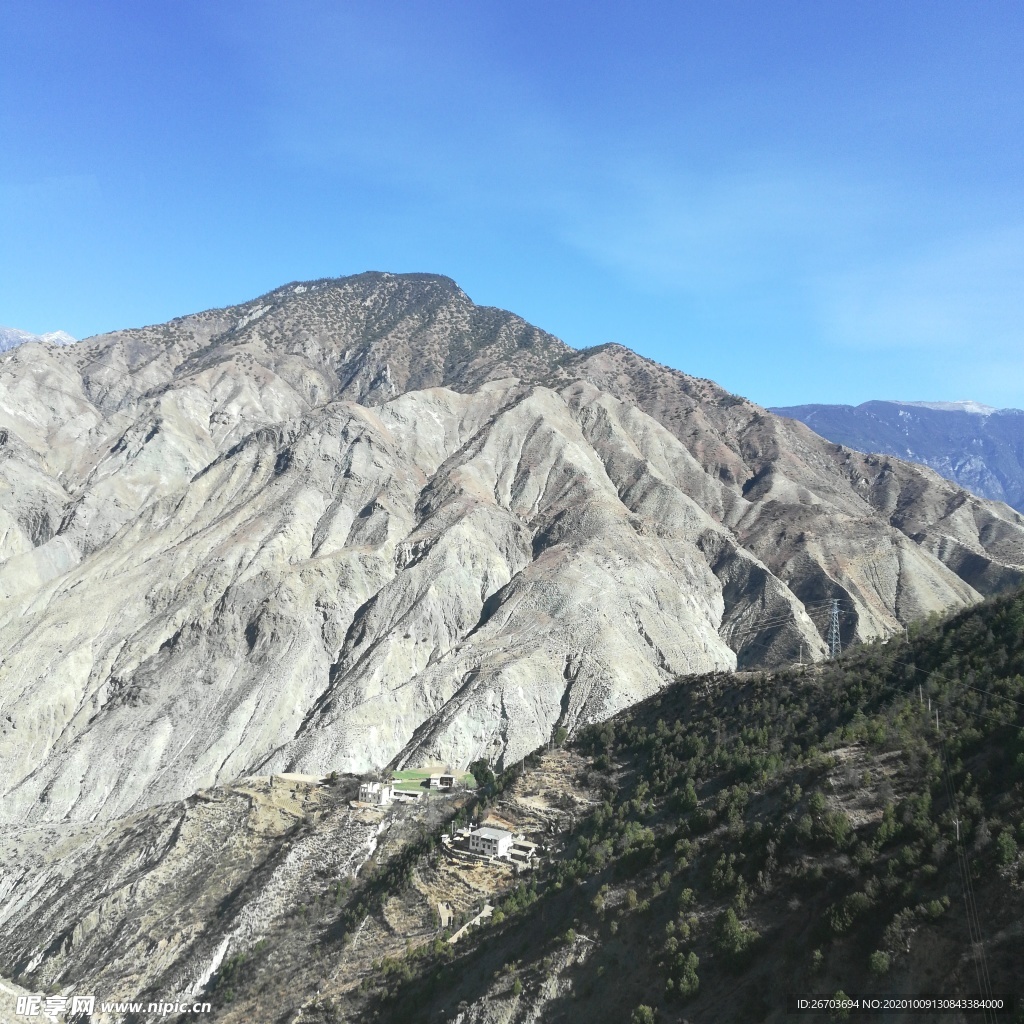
x,y
375,793
442,781
492,842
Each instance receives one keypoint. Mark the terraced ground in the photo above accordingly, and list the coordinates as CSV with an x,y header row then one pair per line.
x,y
247,884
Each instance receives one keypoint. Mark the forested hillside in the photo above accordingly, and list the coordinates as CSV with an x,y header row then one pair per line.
x,y
769,835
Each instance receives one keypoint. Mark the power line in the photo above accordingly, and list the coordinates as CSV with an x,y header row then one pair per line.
x,y
988,693
760,628
814,608
959,682
967,711
764,624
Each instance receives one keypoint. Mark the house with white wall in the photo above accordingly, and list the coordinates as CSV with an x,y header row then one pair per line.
x,y
491,842
375,793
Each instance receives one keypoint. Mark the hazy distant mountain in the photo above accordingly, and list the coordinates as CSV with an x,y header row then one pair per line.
x,y
979,447
11,337
965,405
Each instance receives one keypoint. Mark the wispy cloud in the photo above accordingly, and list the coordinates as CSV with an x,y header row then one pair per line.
x,y
963,292
782,246
483,140
722,230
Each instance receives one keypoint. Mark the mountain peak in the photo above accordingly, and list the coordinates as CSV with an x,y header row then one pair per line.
x,y
12,337
380,523
367,338
409,290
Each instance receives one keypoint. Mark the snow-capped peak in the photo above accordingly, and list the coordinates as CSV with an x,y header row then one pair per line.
x,y
11,337
964,405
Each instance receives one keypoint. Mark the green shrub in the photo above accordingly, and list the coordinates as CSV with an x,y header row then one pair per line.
x,y
732,937
687,798
840,1014
1006,847
689,983
841,915
879,962
835,828
889,828
482,773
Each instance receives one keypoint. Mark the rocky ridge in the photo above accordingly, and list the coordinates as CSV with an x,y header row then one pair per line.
x,y
364,521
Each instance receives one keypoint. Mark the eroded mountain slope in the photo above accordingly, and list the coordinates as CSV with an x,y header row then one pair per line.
x,y
364,521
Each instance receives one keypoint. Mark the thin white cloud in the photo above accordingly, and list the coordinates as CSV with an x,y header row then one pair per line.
x,y
962,293
722,231
825,248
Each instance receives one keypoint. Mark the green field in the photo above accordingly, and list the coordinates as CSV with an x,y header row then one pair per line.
x,y
412,780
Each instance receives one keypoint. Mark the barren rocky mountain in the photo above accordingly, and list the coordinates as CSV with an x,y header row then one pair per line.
x,y
364,521
976,446
151,902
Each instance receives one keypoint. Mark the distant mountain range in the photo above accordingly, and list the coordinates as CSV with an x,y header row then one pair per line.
x,y
976,446
11,337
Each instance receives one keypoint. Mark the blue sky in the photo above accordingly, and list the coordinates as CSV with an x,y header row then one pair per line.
x,y
803,201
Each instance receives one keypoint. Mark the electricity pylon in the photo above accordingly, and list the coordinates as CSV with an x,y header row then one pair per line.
x,y
834,644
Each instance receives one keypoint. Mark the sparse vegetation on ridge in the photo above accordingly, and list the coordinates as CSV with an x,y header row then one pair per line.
x,y
783,832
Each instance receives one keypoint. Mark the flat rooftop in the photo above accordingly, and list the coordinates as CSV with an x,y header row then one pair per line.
x,y
492,833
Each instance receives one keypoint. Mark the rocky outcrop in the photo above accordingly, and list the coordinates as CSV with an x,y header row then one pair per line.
x,y
364,521
149,906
